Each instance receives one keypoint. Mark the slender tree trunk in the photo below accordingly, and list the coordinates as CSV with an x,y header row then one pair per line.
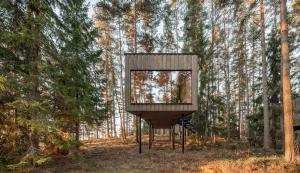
x,y
247,85
114,119
253,75
240,125
121,119
77,131
275,15
267,141
207,113
97,129
289,148
135,51
106,96
176,27
227,83
122,106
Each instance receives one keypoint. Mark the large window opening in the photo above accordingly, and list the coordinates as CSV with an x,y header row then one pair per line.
x,y
161,87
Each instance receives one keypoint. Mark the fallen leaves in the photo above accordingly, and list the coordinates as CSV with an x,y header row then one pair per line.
x,y
112,155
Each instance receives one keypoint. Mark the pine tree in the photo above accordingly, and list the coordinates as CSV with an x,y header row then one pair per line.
x,y
194,41
75,91
149,12
289,145
26,46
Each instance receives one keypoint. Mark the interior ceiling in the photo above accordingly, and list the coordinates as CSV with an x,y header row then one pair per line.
x,y
162,119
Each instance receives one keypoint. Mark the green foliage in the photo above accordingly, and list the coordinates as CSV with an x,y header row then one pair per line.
x,y
19,166
149,12
44,161
48,79
274,55
2,83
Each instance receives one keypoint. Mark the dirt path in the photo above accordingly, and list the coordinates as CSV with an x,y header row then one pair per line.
x,y
114,156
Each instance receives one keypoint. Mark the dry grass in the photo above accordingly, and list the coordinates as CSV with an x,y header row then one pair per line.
x,y
112,155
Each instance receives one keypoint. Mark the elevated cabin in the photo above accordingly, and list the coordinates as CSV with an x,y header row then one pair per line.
x,y
296,113
161,88
276,122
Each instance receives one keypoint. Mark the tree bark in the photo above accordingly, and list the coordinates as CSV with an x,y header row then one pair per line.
x,y
247,85
135,123
176,27
267,140
289,148
227,83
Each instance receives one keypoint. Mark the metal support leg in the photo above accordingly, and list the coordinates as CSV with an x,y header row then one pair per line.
x,y
150,133
182,124
140,133
170,134
137,129
185,135
173,137
153,132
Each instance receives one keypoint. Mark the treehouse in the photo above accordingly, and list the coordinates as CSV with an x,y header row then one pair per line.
x,y
161,88
296,113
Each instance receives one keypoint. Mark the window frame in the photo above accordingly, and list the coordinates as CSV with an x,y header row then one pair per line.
x,y
132,70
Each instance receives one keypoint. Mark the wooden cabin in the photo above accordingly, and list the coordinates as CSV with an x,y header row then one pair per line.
x,y
296,113
276,122
161,88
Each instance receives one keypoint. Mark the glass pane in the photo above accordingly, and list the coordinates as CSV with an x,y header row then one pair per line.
x,y
165,87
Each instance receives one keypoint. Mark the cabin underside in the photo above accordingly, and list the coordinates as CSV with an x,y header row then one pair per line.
x,y
162,119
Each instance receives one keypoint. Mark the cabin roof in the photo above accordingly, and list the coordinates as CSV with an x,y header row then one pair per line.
x,y
160,54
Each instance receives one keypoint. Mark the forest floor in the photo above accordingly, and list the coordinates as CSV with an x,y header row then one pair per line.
x,y
106,156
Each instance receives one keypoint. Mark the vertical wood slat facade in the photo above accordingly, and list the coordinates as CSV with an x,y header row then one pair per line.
x,y
164,113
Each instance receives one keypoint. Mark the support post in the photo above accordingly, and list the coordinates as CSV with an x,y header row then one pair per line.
x,y
182,124
153,132
185,134
137,129
150,133
173,137
170,134
140,134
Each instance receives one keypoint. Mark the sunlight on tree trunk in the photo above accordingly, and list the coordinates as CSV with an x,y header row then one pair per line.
x,y
289,148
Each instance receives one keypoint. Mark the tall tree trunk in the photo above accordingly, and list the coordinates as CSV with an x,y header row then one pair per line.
x,y
122,114
176,27
135,123
240,123
207,112
275,15
121,119
247,85
267,140
289,148
97,130
114,118
226,73
253,72
77,131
